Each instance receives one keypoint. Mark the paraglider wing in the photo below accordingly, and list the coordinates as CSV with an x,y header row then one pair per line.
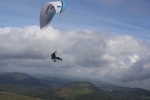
x,y
49,10
46,15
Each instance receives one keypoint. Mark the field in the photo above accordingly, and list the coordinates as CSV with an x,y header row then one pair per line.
x,y
14,96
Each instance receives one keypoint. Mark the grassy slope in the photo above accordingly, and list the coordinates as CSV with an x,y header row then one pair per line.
x,y
73,93
85,94
13,96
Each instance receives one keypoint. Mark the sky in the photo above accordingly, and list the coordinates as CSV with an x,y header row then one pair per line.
x,y
107,40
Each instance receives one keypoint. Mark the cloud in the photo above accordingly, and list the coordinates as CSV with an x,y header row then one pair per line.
x,y
85,53
138,71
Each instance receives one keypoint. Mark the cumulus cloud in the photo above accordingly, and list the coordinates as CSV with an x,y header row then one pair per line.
x,y
85,53
138,71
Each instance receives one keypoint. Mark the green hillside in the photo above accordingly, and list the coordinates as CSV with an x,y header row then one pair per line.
x,y
72,91
83,84
66,93
13,96
62,93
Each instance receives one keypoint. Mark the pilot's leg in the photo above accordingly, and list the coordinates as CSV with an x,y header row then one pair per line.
x,y
54,60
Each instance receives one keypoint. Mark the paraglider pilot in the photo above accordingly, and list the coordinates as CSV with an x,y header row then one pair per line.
x,y
54,58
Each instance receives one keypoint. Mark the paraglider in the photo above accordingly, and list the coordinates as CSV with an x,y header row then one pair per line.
x,y
54,58
49,10
46,15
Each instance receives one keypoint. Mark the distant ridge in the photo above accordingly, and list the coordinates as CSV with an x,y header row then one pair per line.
x,y
17,75
20,79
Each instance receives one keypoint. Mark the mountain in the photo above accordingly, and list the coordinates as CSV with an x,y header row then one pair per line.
x,y
20,79
72,91
32,82
17,75
4,79
17,78
83,90
76,90
1,73
54,81
83,84
55,88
